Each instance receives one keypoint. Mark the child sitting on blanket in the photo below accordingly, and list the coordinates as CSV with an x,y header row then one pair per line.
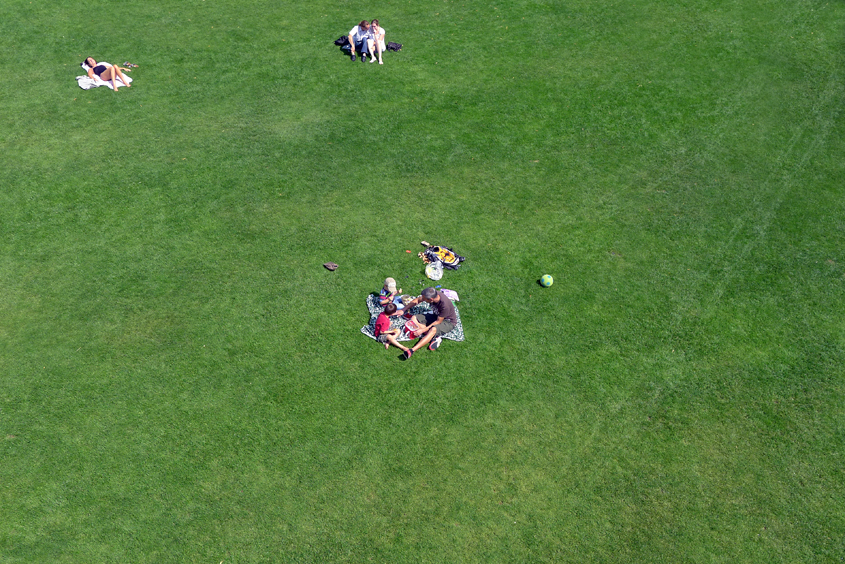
x,y
383,332
389,294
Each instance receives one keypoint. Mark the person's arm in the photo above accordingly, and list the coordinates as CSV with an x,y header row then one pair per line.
x,y
408,306
352,42
91,74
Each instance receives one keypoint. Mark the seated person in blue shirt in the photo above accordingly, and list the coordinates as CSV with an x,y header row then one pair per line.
x,y
359,39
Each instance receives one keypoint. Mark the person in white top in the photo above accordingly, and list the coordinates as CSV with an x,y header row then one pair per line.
x,y
360,38
377,43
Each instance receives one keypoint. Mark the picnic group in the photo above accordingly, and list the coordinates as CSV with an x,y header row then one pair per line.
x,y
429,326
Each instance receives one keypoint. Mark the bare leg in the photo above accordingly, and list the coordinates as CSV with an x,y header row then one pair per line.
x,y
122,77
109,74
370,44
379,53
391,338
429,335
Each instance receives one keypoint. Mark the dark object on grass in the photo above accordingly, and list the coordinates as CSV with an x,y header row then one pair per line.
x,y
330,265
343,43
391,46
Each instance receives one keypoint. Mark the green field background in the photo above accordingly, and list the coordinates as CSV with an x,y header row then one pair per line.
x,y
182,381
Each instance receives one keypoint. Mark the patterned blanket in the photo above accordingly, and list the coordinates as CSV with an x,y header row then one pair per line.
x,y
456,334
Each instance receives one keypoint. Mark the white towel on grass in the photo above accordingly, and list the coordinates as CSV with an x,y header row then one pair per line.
x,y
87,83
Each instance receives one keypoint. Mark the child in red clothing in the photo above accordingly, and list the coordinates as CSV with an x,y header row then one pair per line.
x,y
383,332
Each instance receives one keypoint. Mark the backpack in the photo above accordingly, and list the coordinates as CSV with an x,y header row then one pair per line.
x,y
444,255
391,46
342,40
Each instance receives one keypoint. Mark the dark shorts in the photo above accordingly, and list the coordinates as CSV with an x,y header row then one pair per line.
x,y
442,328
382,338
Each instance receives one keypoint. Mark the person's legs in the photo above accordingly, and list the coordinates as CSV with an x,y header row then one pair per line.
x,y
122,77
429,335
424,319
391,337
113,73
444,327
380,51
108,75
371,48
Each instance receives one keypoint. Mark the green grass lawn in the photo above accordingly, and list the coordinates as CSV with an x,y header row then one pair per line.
x,y
182,381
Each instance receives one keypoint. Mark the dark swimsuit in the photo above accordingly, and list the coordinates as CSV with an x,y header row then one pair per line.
x,y
99,69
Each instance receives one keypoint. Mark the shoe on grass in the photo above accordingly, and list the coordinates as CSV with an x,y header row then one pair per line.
x,y
435,343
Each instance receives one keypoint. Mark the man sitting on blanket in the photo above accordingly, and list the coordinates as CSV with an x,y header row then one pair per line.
x,y
434,324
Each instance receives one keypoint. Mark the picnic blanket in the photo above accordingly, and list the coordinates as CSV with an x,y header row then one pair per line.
x,y
456,334
87,83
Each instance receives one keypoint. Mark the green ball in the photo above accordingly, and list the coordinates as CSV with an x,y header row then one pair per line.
x,y
547,280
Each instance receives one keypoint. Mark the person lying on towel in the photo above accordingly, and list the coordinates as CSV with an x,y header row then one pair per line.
x,y
106,72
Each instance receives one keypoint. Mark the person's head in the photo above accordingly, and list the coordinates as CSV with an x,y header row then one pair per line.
x,y
364,24
429,294
90,62
375,24
390,309
390,284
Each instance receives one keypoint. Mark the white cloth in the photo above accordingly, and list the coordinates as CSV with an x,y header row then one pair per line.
x,y
87,83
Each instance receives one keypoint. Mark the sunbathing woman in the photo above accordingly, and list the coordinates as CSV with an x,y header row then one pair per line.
x,y
106,72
